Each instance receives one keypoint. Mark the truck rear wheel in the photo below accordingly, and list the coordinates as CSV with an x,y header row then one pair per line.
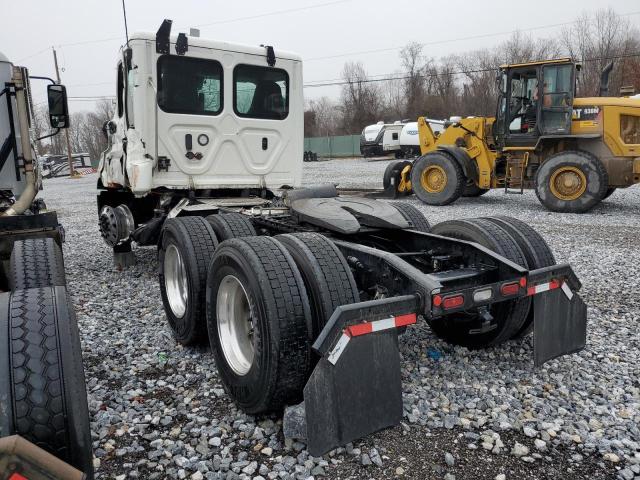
x,y
43,394
259,323
231,225
509,316
535,249
417,219
437,179
325,272
36,262
392,174
571,182
186,247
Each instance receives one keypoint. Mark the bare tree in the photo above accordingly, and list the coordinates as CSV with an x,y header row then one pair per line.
x,y
360,100
596,40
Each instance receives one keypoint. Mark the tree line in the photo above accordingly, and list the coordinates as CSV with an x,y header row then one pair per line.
x,y
462,84
466,84
85,131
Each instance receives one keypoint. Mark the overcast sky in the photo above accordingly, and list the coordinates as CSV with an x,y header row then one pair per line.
x,y
311,28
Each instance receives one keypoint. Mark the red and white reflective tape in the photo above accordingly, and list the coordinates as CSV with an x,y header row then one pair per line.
x,y
365,328
552,285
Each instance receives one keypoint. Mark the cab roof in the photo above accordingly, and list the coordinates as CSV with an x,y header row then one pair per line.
x,y
197,42
538,62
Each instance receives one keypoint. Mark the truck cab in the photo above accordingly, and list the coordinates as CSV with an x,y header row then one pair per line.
x,y
196,114
535,99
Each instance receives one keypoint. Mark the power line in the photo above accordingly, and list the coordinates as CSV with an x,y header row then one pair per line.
x,y
230,20
277,12
404,76
459,39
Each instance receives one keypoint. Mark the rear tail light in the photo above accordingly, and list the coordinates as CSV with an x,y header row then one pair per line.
x,y
510,288
482,295
17,476
453,302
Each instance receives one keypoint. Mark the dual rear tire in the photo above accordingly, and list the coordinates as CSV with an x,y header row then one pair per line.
x,y
517,242
266,300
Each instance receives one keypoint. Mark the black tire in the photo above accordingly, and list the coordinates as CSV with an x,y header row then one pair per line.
x,y
417,219
36,262
231,225
281,323
593,172
509,316
609,192
394,171
536,251
195,242
43,394
325,272
452,185
471,189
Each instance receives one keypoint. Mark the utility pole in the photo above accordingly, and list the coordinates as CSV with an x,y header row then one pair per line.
x,y
66,130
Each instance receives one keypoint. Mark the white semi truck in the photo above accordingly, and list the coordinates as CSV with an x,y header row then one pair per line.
x,y
44,419
300,291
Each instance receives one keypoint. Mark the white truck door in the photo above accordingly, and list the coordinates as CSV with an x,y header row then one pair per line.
x,y
222,124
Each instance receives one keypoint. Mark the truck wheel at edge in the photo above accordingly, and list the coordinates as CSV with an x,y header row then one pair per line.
x,y
41,362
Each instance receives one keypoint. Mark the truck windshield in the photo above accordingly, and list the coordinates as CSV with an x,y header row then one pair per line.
x,y
261,92
189,85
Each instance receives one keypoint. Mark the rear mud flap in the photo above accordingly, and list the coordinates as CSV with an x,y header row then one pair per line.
x,y
560,324
359,395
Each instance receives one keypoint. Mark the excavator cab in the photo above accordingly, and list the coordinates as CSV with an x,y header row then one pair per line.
x,y
535,100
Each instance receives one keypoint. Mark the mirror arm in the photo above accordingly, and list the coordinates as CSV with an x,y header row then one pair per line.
x,y
43,78
56,131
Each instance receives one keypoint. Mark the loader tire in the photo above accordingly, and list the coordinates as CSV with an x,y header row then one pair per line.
x,y
473,190
417,219
508,316
43,394
36,262
571,182
609,192
187,245
392,174
259,323
536,251
325,273
437,179
231,225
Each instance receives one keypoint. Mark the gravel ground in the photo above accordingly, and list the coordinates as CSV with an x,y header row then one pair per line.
x,y
159,411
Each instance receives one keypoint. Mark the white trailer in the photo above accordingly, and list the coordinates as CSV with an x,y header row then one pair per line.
x,y
409,139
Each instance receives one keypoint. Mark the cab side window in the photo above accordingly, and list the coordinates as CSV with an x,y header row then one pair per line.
x,y
120,88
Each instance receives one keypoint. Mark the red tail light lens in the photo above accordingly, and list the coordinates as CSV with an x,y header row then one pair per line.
x,y
453,302
17,476
510,288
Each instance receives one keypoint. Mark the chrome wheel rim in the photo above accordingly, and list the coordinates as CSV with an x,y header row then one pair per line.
x,y
235,325
175,281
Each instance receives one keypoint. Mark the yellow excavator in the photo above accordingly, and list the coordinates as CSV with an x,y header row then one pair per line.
x,y
573,151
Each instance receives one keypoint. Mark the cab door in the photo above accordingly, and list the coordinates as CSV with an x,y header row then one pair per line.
x,y
557,99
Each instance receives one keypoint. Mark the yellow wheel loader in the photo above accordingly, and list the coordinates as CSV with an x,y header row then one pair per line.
x,y
573,151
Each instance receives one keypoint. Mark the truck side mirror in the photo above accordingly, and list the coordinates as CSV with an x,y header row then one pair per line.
x,y
58,106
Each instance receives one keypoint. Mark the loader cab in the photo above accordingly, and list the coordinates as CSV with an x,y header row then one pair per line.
x,y
535,99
